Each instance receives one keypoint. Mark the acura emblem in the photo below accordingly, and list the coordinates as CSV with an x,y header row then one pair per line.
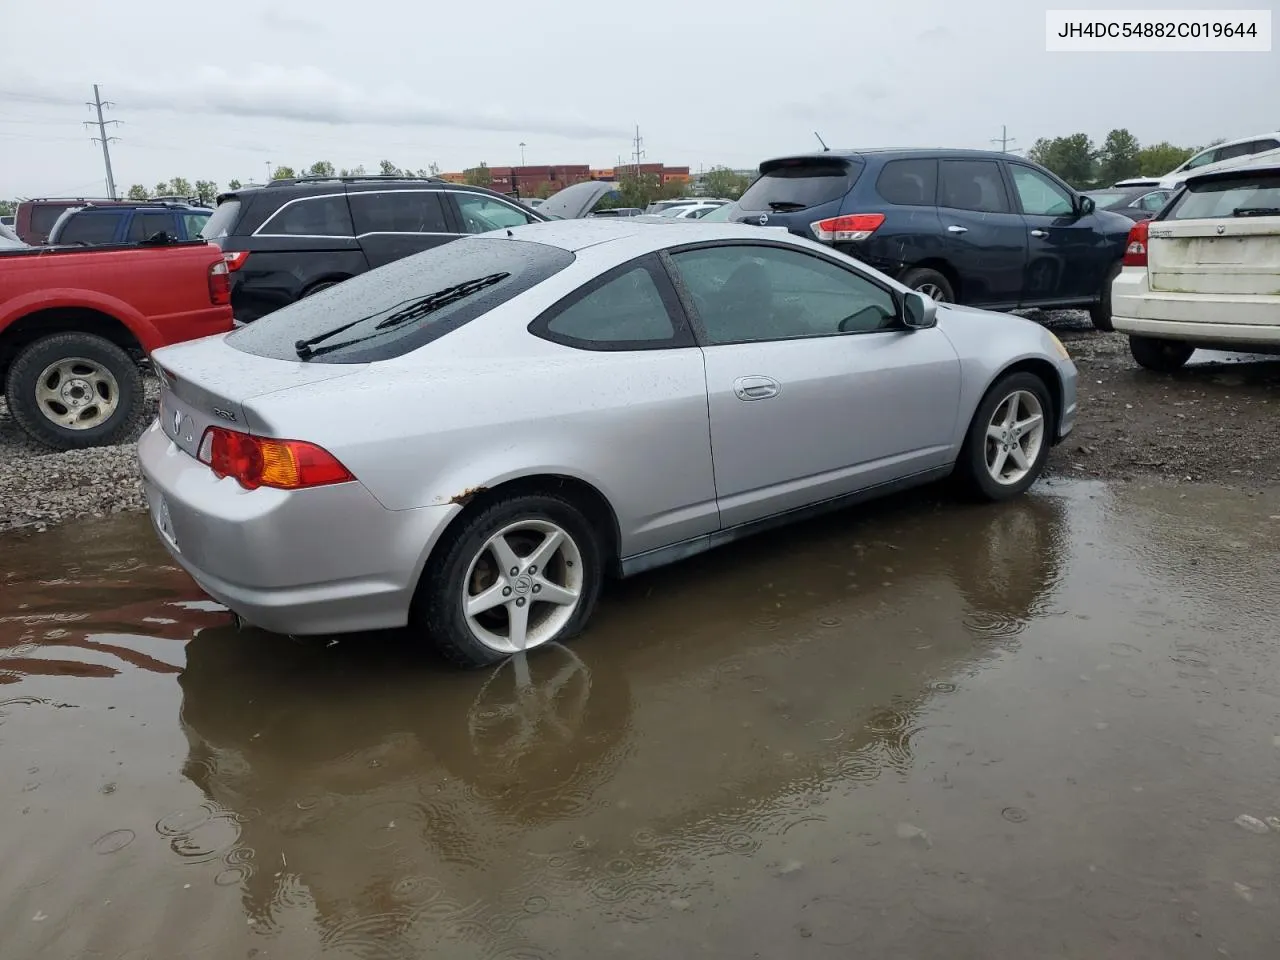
x,y
764,218
177,422
1222,228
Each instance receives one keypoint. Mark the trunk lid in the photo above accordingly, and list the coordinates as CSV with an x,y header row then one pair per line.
x,y
206,383
1232,257
575,202
794,192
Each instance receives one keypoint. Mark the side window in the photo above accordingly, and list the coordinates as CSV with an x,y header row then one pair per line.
x,y
1262,146
973,185
909,182
147,225
1200,159
748,293
89,228
1039,195
626,311
1154,202
194,222
480,213
398,211
311,216
1235,150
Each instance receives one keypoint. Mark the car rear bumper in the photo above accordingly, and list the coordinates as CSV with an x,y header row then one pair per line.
x,y
1218,319
326,560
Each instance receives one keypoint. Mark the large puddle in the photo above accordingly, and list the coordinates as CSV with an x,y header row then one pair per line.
x,y
1044,729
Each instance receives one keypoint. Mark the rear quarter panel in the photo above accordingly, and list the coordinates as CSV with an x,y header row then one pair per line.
x,y
161,293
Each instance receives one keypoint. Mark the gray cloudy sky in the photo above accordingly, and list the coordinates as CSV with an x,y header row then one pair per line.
x,y
214,91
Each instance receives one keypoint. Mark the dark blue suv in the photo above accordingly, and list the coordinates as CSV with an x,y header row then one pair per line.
x,y
966,226
120,223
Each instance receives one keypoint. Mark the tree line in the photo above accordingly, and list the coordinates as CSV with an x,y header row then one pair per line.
x,y
1083,164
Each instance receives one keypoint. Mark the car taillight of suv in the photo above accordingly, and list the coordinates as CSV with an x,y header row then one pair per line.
x,y
850,226
1135,251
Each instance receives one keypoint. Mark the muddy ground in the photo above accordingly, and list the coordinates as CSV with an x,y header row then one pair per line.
x,y
1045,728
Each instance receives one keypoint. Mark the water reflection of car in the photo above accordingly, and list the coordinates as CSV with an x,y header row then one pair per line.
x,y
1136,203
703,393
698,720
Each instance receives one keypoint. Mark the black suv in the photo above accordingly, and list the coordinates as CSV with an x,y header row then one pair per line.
x,y
970,226
294,237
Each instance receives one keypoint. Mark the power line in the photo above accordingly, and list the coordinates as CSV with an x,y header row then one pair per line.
x,y
102,138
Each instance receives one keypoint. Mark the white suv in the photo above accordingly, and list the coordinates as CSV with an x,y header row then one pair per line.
x,y
1217,157
1206,271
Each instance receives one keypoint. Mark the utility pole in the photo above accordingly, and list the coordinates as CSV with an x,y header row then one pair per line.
x,y
1004,140
98,103
268,180
639,148
522,146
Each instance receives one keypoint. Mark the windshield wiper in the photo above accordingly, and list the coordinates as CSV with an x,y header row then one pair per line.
x,y
784,206
408,310
1256,212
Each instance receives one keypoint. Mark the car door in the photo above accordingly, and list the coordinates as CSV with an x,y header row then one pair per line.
x,y
814,387
985,241
392,224
481,212
1067,255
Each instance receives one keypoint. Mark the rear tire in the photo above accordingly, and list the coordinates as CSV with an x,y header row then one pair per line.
x,y
320,286
1162,356
1100,312
75,390
468,567
929,282
989,464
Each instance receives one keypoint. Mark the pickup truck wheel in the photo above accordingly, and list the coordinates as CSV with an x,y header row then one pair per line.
x,y
75,390
1100,312
1162,356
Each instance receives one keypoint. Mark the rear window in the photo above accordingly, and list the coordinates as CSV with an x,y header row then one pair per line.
x,y
45,215
89,228
909,182
473,276
1242,195
799,184
222,221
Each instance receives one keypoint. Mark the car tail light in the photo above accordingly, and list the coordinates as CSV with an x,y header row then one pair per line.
x,y
267,462
1135,252
219,284
852,226
235,260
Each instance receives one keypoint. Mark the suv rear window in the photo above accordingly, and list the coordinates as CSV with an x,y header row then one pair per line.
x,y
498,268
1242,195
45,215
223,220
786,185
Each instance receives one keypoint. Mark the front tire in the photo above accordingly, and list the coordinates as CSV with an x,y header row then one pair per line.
x,y
1162,356
75,390
1100,312
518,574
1009,438
931,283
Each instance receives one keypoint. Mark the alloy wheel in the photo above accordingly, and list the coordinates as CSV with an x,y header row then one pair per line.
x,y
933,292
1015,435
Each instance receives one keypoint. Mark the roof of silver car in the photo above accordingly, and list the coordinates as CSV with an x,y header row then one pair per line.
x,y
574,235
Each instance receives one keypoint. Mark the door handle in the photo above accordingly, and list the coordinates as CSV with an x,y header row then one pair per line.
x,y
756,388
956,228
1039,233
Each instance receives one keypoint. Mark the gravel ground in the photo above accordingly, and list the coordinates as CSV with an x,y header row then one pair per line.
x,y
1215,421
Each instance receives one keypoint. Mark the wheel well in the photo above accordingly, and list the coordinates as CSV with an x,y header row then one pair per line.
x,y
43,323
336,278
1049,374
582,494
946,270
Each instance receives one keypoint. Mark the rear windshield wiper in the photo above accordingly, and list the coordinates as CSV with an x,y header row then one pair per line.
x,y
1256,212
784,206
408,310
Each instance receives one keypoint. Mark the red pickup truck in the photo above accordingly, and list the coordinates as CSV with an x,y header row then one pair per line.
x,y
75,324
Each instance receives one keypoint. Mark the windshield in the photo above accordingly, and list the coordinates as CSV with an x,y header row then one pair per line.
x,y
723,213
221,221
799,184
1242,195
1107,199
397,308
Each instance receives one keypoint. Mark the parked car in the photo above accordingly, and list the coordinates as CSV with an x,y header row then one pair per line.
x,y
296,237
1205,272
616,212
689,211
967,226
1240,149
661,206
7,221
8,239
93,225
35,218
75,323
710,381
533,202
1136,203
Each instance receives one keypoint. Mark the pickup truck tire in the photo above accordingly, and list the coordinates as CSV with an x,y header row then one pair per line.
x,y
1100,312
1162,356
931,283
75,390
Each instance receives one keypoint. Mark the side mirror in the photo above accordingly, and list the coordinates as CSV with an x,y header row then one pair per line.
x,y
918,311
1087,206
